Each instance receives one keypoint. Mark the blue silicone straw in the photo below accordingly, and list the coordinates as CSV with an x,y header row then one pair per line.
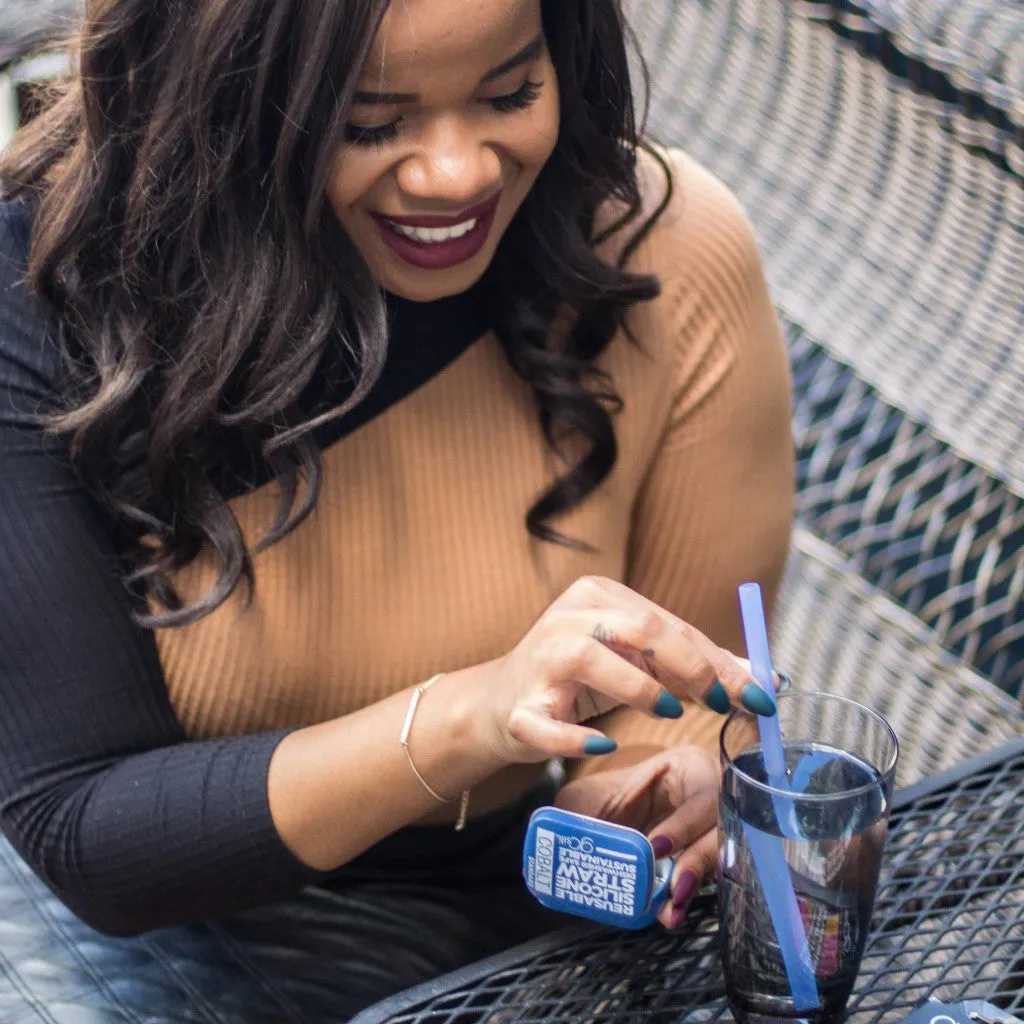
x,y
766,850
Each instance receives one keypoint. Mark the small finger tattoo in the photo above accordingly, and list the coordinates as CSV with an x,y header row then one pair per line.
x,y
643,660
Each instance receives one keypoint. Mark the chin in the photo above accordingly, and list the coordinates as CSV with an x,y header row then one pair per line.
x,y
431,285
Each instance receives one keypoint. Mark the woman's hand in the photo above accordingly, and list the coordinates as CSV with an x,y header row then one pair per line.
x,y
672,797
597,646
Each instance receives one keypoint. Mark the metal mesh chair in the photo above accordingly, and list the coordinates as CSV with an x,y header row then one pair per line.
x,y
25,27
893,246
26,23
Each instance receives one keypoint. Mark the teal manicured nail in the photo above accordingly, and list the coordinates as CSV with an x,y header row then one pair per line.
x,y
595,745
756,700
668,706
717,699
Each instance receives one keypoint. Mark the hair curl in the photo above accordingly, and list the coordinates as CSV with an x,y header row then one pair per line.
x,y
183,238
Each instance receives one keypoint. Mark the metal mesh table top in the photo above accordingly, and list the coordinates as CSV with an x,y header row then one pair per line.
x,y
949,921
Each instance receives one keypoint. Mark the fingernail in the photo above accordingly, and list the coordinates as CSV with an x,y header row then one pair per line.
x,y
684,891
717,699
756,700
677,918
662,846
596,745
668,706
785,683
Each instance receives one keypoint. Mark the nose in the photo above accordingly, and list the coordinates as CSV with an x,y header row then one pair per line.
x,y
451,168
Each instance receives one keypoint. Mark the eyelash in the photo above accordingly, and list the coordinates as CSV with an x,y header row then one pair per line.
x,y
379,135
525,96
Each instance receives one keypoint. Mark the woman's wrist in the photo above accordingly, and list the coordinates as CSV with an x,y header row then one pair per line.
x,y
455,718
338,787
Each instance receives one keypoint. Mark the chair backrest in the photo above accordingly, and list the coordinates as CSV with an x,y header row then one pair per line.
x,y
877,147
28,28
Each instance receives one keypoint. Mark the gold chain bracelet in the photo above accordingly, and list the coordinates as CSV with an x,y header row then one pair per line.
x,y
414,703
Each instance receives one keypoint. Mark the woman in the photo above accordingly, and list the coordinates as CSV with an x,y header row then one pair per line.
x,y
346,343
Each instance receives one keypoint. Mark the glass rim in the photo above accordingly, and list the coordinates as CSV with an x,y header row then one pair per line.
x,y
844,794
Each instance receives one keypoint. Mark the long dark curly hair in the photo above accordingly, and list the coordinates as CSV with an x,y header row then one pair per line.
x,y
183,238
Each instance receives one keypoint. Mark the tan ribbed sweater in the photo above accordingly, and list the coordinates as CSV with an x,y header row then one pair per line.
x,y
417,560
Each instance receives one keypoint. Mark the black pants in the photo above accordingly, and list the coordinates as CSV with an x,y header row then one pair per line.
x,y
424,902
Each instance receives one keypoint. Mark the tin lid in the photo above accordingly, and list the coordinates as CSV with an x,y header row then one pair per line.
x,y
594,869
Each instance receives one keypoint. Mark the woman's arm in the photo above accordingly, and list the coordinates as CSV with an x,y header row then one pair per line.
x,y
131,825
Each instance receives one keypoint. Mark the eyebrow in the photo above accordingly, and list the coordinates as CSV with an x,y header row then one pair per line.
x,y
529,52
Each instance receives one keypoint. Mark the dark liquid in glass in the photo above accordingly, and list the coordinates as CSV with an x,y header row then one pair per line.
x,y
834,861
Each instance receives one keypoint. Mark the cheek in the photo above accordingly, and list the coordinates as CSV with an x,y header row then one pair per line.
x,y
355,175
533,138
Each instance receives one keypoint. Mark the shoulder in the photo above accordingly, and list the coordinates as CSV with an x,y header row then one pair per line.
x,y
711,340
701,247
29,353
701,242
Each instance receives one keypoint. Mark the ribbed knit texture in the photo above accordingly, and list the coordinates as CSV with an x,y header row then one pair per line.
x,y
416,559
133,768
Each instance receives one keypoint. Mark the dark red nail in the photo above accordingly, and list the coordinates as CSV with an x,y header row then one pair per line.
x,y
677,917
685,890
662,846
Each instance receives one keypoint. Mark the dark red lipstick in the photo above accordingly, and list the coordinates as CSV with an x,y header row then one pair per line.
x,y
440,254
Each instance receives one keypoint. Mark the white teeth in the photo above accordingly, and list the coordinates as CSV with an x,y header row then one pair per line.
x,y
434,235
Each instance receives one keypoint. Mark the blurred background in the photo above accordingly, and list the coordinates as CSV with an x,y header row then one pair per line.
x,y
879,149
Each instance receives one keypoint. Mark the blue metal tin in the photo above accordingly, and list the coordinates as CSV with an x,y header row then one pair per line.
x,y
594,869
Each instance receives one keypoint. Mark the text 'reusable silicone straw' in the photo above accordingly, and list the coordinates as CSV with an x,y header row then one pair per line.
x,y
766,850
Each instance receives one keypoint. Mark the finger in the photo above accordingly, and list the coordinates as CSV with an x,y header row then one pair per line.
x,y
643,638
616,677
734,675
695,666
783,684
695,813
555,738
694,866
573,652
586,592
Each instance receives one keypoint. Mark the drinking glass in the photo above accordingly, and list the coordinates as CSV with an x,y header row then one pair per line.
x,y
829,819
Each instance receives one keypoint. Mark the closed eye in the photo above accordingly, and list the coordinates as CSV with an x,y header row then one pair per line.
x,y
372,134
525,96
381,134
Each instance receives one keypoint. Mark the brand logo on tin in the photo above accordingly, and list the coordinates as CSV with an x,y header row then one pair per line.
x,y
545,861
584,845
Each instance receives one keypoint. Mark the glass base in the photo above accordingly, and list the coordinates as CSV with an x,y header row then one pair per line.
x,y
787,1015
764,1018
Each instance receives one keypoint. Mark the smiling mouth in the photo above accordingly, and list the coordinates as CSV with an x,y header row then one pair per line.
x,y
433,242
432,236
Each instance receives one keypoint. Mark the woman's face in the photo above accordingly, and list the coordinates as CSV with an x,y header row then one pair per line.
x,y
456,114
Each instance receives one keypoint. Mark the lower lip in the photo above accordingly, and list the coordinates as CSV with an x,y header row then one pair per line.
x,y
440,255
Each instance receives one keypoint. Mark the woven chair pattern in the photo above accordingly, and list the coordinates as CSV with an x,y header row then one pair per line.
x,y
836,631
26,23
894,254
935,531
968,54
885,238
